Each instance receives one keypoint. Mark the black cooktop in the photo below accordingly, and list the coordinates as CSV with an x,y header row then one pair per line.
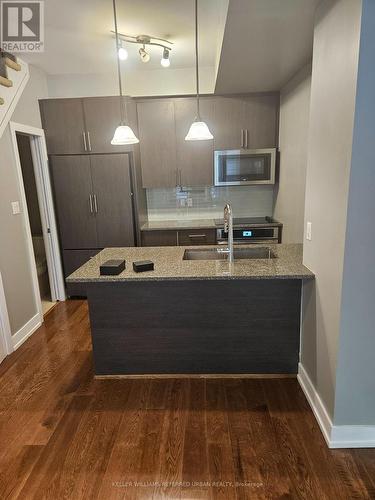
x,y
244,221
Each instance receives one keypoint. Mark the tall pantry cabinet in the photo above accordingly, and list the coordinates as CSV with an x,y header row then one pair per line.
x,y
95,184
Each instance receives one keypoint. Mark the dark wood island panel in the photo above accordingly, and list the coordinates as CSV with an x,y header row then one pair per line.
x,y
195,327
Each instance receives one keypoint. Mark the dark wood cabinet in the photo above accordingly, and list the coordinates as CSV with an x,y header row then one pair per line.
x,y
183,237
194,158
246,122
167,238
189,237
74,201
112,200
157,138
94,204
102,116
64,126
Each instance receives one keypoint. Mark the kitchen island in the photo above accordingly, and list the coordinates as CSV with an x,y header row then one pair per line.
x,y
195,316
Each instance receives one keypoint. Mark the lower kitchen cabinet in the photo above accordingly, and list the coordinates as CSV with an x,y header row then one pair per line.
x,y
185,237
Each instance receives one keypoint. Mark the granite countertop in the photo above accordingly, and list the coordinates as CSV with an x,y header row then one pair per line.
x,y
169,265
160,225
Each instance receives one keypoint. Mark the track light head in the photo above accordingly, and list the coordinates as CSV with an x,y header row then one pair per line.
x,y
145,56
122,53
165,61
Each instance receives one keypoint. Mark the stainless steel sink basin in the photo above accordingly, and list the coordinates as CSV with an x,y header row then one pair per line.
x,y
239,253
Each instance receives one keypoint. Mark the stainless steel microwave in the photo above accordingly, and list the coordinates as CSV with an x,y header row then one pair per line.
x,y
244,167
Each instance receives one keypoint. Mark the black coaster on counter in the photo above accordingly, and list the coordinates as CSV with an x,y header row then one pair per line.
x,y
112,267
143,265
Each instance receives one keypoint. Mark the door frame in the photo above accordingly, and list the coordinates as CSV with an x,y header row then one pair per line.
x,y
47,212
5,332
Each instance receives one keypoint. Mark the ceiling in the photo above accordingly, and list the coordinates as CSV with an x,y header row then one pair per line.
x,y
78,38
255,45
265,42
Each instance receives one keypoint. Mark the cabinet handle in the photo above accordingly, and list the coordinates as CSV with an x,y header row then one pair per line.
x,y
89,140
84,140
90,201
95,204
246,138
192,236
180,178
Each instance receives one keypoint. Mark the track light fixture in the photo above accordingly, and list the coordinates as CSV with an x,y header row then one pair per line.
x,y
145,40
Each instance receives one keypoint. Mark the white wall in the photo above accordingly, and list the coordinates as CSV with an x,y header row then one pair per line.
x,y
137,83
333,89
14,260
293,136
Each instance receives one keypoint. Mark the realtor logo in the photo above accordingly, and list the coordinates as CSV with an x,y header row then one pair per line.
x,y
22,26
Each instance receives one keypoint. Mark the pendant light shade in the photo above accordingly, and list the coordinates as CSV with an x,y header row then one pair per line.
x,y
199,130
123,134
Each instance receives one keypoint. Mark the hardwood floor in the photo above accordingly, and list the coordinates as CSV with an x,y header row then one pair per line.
x,y
64,435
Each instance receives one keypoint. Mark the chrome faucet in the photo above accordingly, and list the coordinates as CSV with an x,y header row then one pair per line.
x,y
228,228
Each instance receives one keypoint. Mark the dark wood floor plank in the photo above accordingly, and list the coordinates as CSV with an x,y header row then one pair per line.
x,y
249,481
221,466
66,435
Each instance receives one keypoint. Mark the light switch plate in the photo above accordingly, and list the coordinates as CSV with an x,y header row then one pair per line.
x,y
16,207
308,231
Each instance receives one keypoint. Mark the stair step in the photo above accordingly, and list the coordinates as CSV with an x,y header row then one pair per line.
x,y
12,64
5,82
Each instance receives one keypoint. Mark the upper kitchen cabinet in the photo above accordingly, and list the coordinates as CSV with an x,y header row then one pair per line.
x,y
194,158
157,136
260,121
64,125
246,122
228,130
102,116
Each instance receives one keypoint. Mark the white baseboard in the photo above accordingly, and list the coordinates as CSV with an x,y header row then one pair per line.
x,y
317,405
336,436
28,329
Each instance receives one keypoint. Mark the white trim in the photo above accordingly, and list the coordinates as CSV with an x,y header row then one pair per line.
x,y
17,94
317,405
336,436
353,436
28,329
40,161
5,332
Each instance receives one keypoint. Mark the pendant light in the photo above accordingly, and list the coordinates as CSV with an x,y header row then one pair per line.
x,y
199,130
123,134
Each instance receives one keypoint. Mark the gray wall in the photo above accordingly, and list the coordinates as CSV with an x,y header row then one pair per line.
x,y
333,88
15,265
355,382
293,133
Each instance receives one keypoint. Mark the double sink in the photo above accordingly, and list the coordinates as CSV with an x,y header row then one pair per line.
x,y
239,253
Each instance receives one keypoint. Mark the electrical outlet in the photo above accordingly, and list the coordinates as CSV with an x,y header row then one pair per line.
x,y
16,207
308,231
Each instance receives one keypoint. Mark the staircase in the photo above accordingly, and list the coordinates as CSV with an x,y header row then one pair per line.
x,y
14,74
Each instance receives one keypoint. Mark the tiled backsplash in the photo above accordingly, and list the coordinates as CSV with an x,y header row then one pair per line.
x,y
208,202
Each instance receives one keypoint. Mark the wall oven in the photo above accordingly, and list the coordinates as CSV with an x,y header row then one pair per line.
x,y
244,167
